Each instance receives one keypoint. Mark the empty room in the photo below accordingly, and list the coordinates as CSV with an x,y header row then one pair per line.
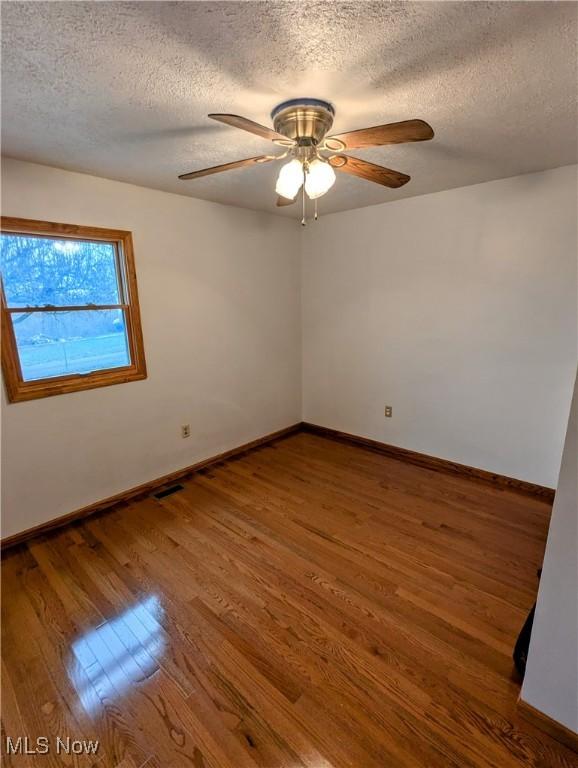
x,y
289,426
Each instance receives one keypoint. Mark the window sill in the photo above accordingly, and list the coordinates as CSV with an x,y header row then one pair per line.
x,y
33,390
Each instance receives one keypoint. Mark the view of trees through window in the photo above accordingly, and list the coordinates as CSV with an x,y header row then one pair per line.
x,y
48,274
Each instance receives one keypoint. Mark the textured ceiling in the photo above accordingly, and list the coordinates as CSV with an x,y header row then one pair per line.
x,y
122,89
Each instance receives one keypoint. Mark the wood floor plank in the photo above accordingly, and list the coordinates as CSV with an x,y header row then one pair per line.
x,y
35,688
309,604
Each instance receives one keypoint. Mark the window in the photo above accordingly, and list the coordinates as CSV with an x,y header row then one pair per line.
x,y
70,317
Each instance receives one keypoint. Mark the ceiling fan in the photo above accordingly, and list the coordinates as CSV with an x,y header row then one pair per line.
x,y
300,127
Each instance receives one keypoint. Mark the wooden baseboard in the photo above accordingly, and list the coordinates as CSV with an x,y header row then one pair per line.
x,y
545,723
400,454
434,463
143,489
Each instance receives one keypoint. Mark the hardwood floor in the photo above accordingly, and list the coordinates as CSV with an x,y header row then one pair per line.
x,y
309,604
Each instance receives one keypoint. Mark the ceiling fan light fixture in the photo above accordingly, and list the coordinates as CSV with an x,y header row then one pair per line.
x,y
290,179
301,128
319,179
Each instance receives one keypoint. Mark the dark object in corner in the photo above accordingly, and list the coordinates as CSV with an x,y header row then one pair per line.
x,y
520,654
168,491
523,643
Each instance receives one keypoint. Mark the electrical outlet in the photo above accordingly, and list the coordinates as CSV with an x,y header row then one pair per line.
x,y
186,430
388,411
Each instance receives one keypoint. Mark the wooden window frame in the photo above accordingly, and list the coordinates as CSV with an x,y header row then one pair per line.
x,y
16,388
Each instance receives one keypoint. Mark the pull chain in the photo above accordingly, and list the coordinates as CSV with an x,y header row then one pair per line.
x,y
316,212
303,221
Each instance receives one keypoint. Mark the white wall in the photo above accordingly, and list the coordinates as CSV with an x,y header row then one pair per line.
x,y
551,680
219,295
458,309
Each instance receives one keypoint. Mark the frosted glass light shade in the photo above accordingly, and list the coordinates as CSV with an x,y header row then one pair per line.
x,y
320,178
290,179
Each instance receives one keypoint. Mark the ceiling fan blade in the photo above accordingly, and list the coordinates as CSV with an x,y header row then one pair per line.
x,y
226,167
236,121
369,171
392,133
282,201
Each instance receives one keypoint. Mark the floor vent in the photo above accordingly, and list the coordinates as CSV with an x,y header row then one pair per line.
x,y
168,491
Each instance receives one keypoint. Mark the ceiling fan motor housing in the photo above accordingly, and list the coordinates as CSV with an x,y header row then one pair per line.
x,y
305,121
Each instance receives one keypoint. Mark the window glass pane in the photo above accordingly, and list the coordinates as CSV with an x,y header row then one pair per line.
x,y
61,343
37,271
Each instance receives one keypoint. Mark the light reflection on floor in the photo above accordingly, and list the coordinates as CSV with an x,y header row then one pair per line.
x,y
107,660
